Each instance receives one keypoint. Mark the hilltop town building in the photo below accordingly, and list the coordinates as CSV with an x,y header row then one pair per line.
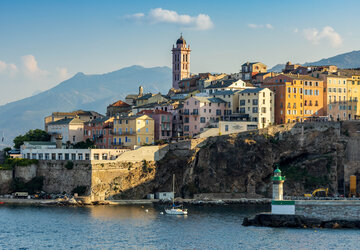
x,y
81,114
258,103
297,97
118,108
135,130
199,112
100,132
248,70
180,61
71,130
162,123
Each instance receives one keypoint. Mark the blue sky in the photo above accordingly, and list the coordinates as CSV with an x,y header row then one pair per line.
x,y
45,42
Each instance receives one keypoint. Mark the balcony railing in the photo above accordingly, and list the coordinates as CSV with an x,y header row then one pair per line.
x,y
123,133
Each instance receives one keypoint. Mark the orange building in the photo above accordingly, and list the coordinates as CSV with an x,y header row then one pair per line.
x,y
297,97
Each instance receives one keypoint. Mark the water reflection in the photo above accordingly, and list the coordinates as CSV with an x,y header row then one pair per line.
x,y
144,213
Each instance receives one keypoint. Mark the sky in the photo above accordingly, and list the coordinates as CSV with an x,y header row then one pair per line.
x,y
45,42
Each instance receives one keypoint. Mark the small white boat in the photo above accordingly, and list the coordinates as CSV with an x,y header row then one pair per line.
x,y
175,210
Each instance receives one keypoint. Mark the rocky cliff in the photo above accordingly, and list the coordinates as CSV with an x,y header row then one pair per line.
x,y
311,155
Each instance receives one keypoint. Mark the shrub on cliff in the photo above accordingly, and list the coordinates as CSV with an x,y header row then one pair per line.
x,y
10,163
69,165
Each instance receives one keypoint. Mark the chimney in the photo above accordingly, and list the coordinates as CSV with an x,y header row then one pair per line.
x,y
58,139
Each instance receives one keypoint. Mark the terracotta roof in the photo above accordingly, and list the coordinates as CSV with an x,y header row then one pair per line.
x,y
302,77
120,104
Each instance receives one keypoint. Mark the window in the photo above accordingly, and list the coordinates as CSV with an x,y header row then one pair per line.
x,y
226,128
67,156
147,130
242,102
186,128
114,141
87,156
218,112
242,110
147,139
74,138
138,139
255,101
254,109
263,110
96,156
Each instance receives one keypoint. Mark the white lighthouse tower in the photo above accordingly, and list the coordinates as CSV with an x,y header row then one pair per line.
x,y
278,204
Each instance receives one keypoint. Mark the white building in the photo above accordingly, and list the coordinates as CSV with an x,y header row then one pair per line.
x,y
258,103
230,84
71,129
48,151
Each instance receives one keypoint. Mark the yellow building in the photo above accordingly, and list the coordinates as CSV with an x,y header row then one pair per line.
x,y
130,131
341,93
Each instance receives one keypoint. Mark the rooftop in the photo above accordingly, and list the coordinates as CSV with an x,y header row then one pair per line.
x,y
65,121
255,90
302,77
209,99
225,92
119,104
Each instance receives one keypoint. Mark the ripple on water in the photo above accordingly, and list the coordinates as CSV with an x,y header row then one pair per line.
x,y
26,227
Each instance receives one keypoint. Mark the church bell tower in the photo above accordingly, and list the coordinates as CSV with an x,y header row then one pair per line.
x,y
180,61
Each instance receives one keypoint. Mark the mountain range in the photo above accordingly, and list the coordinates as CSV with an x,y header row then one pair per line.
x,y
87,92
345,61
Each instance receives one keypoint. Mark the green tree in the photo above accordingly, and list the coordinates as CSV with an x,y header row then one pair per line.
x,y
84,144
31,135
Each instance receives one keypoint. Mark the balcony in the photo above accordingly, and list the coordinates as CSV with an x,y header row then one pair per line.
x,y
194,113
123,133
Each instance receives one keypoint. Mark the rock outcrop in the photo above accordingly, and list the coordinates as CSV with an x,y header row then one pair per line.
x,y
298,221
311,155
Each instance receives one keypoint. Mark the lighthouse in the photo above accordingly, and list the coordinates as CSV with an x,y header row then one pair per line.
x,y
278,182
278,204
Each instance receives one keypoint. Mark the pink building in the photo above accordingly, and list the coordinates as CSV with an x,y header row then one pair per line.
x,y
199,112
162,123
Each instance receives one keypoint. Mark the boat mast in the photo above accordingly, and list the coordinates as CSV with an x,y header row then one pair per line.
x,y
173,189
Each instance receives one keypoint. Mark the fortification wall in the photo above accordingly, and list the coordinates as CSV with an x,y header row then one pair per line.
x,y
59,179
6,177
26,172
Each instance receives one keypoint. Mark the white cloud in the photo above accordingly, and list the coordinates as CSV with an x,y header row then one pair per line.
x,y
260,26
135,16
159,15
8,68
328,34
63,73
31,66
296,30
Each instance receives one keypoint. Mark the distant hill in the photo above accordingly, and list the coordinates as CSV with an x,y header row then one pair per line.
x,y
277,68
88,92
344,61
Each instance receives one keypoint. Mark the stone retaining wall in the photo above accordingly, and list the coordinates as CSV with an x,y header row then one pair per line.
x,y
329,210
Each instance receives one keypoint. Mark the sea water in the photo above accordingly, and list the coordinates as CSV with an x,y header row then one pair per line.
x,y
139,227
